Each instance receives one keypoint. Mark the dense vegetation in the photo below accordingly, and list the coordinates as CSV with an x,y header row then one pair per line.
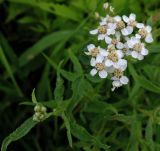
x,y
42,44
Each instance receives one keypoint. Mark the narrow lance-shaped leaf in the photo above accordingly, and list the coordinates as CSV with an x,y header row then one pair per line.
x,y
6,64
18,133
67,124
76,63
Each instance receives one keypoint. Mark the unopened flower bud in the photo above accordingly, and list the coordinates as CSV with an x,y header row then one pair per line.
x,y
105,5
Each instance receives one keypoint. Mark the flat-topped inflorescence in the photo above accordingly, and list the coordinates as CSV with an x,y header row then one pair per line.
x,y
124,36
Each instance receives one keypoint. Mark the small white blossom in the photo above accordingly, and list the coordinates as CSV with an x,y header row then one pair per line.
x,y
118,82
121,26
138,48
106,20
114,59
99,67
145,32
104,31
119,79
115,41
95,51
131,22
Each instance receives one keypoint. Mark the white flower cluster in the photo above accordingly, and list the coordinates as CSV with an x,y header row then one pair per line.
x,y
123,36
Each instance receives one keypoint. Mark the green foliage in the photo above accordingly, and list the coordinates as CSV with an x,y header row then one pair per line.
x,y
42,44
18,133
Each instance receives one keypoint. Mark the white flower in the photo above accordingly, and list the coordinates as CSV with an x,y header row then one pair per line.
x,y
99,67
104,31
121,26
131,22
95,51
114,59
126,50
138,48
118,82
115,41
119,79
145,32
106,20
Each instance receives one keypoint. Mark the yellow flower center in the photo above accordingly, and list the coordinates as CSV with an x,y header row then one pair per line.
x,y
94,52
111,48
102,29
142,32
118,73
137,47
110,19
120,25
114,41
100,66
113,56
133,23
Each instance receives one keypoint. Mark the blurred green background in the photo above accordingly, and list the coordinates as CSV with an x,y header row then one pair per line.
x,y
35,36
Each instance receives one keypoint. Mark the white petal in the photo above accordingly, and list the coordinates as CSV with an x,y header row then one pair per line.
x,y
116,83
138,36
108,63
119,53
123,62
110,69
93,72
125,18
103,52
113,26
144,52
117,18
149,38
130,43
120,45
110,31
114,78
101,37
108,40
118,35
99,58
140,25
134,54
93,62
132,16
87,53
94,32
149,28
90,47
102,23
124,80
129,29
140,57
103,74
124,32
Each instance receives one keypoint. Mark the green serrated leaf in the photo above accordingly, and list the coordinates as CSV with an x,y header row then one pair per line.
x,y
69,75
59,90
67,124
77,65
148,85
18,133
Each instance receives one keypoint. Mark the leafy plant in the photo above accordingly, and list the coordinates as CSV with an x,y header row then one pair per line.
x,y
42,45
